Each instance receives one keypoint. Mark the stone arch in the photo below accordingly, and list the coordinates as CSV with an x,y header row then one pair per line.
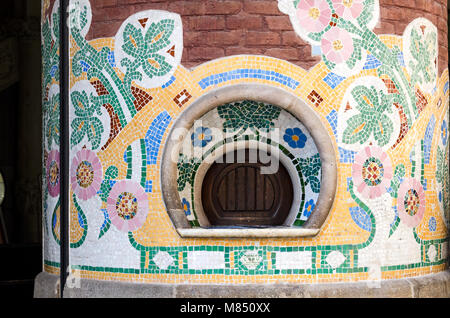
x,y
259,93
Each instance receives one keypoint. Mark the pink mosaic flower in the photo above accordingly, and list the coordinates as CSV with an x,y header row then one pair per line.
x,y
313,15
372,172
337,45
348,9
86,174
411,202
53,173
127,205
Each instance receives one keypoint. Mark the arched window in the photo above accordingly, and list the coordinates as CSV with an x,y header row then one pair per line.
x,y
248,160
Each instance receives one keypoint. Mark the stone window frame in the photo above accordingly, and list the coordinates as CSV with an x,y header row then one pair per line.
x,y
241,145
276,96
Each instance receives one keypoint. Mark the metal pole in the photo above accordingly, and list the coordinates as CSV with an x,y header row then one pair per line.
x,y
64,146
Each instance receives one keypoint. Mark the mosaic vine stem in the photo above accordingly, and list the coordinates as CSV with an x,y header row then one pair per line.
x,y
98,62
390,64
369,213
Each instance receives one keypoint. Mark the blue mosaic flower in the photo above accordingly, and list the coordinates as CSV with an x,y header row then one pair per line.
x,y
201,137
309,207
432,224
295,137
444,132
186,206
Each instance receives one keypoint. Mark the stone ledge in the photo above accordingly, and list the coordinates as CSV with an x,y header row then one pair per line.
x,y
427,286
248,232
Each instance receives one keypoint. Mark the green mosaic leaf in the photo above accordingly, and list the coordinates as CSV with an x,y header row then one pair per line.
x,y
248,114
399,174
55,22
443,178
354,133
133,41
110,174
371,103
158,35
95,131
367,13
105,228
423,50
144,49
78,17
310,168
77,133
105,188
383,130
156,65
186,168
315,184
394,226
85,123
51,110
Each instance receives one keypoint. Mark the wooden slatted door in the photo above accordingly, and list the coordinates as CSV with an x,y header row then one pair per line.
x,y
237,194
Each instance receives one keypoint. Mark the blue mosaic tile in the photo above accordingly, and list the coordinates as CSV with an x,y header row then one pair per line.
x,y
105,223
248,73
172,79
389,190
332,118
333,80
428,138
445,88
54,219
148,186
361,218
112,59
401,59
395,217
424,184
154,136
349,179
80,220
85,66
53,70
432,224
371,63
346,156
316,50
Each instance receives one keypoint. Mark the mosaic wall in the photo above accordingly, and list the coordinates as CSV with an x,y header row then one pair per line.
x,y
379,96
50,108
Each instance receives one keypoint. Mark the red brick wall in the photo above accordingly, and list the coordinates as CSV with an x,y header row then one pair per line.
x,y
217,28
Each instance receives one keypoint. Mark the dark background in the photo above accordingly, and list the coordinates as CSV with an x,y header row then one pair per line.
x,y
20,146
